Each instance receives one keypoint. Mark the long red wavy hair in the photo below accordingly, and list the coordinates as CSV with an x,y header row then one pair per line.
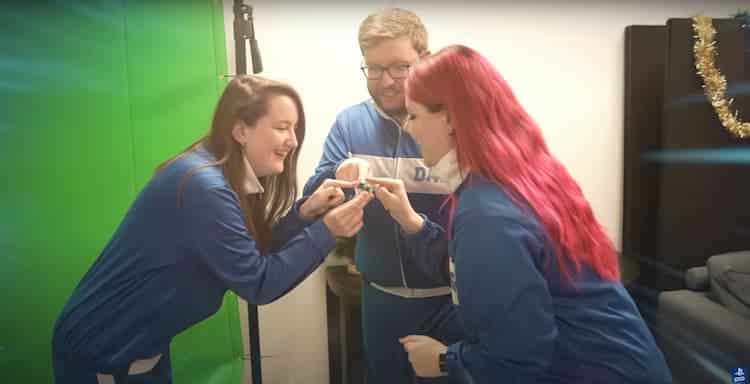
x,y
496,138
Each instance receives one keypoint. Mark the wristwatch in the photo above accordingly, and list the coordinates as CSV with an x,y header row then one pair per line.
x,y
446,360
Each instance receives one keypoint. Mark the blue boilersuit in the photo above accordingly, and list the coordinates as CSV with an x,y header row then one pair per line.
x,y
168,266
527,324
386,256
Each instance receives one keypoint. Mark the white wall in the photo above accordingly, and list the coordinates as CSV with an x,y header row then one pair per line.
x,y
563,59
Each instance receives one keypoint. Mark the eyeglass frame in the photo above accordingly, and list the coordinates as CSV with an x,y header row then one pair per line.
x,y
383,70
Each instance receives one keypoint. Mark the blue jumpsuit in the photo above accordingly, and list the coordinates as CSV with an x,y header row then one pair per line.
x,y
527,324
406,288
167,267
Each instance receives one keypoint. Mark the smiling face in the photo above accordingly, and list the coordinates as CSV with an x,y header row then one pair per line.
x,y
268,142
391,54
431,130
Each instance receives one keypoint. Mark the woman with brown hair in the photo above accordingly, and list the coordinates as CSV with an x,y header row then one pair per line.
x,y
219,216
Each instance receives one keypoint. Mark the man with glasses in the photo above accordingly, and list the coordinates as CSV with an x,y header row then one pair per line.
x,y
404,269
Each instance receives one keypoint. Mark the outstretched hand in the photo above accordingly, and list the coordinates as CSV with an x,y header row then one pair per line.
x,y
346,219
392,194
328,195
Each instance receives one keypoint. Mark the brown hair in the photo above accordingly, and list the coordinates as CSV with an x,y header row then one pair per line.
x,y
392,23
246,98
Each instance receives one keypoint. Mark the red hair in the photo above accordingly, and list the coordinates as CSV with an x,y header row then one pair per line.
x,y
497,139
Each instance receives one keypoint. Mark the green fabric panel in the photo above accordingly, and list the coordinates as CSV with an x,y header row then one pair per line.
x,y
67,153
93,95
172,77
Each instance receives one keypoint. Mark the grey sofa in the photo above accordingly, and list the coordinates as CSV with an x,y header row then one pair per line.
x,y
704,330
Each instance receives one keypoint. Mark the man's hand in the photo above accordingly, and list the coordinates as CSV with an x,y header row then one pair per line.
x,y
353,169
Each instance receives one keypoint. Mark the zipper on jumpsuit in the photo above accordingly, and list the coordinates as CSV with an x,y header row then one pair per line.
x,y
395,227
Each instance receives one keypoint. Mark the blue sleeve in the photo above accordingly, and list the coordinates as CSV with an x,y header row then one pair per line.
x,y
335,150
288,226
428,248
218,233
504,297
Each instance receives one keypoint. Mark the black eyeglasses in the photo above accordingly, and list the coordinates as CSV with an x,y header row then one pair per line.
x,y
396,71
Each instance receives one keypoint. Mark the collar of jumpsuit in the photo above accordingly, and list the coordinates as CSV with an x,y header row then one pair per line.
x,y
252,184
446,170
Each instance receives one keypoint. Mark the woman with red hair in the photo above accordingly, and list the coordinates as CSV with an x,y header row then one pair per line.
x,y
535,277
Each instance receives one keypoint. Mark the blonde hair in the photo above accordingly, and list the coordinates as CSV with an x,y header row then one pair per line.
x,y
392,23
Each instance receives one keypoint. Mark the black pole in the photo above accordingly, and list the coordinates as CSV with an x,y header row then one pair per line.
x,y
244,30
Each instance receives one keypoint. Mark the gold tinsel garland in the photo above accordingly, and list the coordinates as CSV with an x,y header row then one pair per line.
x,y
714,83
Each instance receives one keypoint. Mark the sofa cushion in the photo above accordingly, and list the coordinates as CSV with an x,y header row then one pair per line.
x,y
730,281
696,279
702,326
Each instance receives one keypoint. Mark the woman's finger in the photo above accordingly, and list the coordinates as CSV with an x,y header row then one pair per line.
x,y
389,183
346,224
352,209
356,204
336,198
339,183
385,196
344,210
353,231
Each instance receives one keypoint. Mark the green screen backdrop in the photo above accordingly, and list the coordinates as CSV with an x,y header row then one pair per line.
x,y
93,95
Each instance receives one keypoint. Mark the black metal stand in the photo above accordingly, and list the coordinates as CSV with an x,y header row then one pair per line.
x,y
244,30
